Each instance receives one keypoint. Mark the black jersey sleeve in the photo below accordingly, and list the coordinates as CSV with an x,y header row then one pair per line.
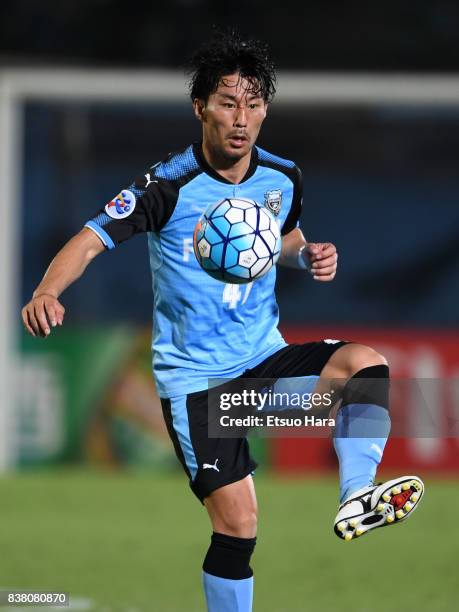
x,y
145,206
293,217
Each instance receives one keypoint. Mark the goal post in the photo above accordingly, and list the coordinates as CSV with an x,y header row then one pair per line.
x,y
10,168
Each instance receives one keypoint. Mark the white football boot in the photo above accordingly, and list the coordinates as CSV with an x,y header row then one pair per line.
x,y
378,506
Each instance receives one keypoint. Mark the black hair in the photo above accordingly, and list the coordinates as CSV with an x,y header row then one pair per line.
x,y
227,53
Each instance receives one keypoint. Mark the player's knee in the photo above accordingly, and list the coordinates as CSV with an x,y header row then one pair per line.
x,y
357,357
361,356
369,385
241,524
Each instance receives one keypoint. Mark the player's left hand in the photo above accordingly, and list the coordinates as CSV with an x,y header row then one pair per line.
x,y
323,260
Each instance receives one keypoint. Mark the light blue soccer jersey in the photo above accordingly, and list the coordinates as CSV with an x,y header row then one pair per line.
x,y
202,328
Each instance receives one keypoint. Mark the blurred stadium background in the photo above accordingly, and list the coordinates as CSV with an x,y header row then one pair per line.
x,y
91,93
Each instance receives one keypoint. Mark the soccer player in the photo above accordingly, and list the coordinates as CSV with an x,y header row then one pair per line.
x,y
199,333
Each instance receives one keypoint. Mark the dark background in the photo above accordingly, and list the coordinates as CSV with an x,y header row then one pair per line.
x,y
324,35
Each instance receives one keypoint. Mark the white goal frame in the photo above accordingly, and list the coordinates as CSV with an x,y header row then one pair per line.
x,y
20,85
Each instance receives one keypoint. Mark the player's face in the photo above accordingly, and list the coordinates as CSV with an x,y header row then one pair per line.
x,y
231,117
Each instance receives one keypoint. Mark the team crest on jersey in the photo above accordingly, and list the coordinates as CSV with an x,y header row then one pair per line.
x,y
273,201
122,206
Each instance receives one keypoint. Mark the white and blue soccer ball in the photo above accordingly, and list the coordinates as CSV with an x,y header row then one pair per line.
x,y
237,240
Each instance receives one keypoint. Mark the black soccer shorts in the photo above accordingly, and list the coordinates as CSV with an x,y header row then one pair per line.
x,y
212,463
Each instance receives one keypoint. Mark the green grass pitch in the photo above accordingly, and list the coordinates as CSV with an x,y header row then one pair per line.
x,y
135,543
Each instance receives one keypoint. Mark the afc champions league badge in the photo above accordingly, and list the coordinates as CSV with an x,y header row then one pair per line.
x,y
122,205
273,201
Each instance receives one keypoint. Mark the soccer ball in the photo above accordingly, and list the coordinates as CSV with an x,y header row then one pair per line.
x,y
237,241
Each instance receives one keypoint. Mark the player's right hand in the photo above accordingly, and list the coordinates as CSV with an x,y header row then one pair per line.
x,y
41,313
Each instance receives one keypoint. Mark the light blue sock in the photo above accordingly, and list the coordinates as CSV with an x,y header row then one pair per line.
x,y
360,436
225,595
